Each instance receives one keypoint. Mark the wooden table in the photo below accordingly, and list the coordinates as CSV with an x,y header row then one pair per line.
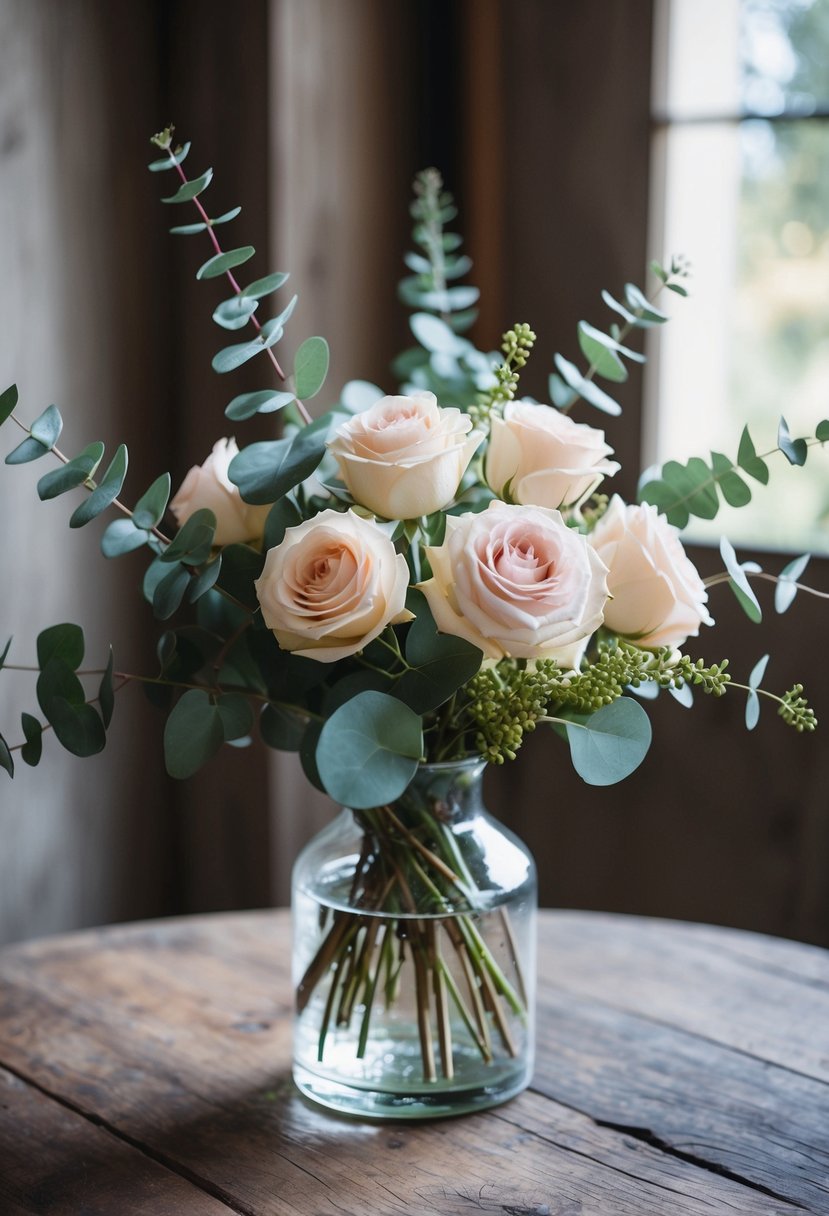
x,y
145,1069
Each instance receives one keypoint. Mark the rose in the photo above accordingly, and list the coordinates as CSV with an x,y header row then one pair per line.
x,y
404,456
544,458
332,585
658,598
209,486
518,583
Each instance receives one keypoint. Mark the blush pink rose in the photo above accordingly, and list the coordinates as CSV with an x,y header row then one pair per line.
x,y
658,598
209,486
518,583
332,585
405,456
545,458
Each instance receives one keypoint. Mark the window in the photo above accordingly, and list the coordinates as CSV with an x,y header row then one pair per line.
x,y
741,153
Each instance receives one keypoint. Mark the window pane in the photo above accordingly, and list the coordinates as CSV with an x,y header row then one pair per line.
x,y
784,46
748,203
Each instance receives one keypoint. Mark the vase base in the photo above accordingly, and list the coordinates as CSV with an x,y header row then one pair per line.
x,y
440,1102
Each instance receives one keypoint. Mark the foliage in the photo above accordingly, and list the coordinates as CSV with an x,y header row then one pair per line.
x,y
363,722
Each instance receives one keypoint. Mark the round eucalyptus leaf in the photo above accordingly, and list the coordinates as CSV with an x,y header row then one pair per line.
x,y
610,744
193,734
32,749
64,642
369,750
264,287
310,367
8,400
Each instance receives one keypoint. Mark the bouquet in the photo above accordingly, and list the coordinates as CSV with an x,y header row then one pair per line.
x,y
413,579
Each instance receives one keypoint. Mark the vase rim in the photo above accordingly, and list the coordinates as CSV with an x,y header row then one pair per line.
x,y
448,765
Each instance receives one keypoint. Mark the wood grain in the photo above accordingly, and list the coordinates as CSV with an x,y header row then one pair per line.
x,y
172,1041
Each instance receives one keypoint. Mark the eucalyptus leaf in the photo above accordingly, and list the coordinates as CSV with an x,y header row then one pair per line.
x,y
206,579
585,388
228,215
47,427
188,229
646,313
169,591
169,162
6,758
369,750
266,471
220,263
193,734
106,692
150,508
283,515
440,662
8,400
310,367
194,540
435,334
795,450
70,475
611,743
30,449
749,461
739,583
105,493
786,590
265,401
32,749
264,287
821,431
752,709
121,536
65,642
758,671
235,312
732,487
190,190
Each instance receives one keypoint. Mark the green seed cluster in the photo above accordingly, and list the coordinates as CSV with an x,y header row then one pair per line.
x,y
713,679
795,711
505,703
517,343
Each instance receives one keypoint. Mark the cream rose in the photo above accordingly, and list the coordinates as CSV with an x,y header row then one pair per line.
x,y
518,583
545,458
332,585
658,598
209,486
404,456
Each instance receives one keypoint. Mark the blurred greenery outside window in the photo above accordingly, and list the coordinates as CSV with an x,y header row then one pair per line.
x,y
741,173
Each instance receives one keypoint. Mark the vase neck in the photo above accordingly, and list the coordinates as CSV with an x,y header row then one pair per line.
x,y
450,792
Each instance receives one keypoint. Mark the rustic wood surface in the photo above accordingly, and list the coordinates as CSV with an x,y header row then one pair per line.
x,y
681,1069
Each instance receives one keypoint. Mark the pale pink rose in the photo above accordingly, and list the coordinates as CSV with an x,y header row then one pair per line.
x,y
518,583
209,486
404,456
332,585
544,458
658,598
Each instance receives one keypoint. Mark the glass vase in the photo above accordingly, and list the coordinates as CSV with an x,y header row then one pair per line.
x,y
414,954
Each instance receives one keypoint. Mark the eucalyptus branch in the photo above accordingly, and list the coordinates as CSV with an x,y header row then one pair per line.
x,y
714,580
231,278
91,485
